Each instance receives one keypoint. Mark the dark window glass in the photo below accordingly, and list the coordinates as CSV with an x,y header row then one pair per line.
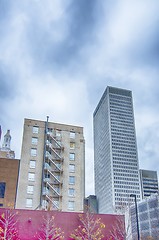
x,y
2,189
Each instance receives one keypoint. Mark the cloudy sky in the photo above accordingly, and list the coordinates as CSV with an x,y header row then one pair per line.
x,y
58,56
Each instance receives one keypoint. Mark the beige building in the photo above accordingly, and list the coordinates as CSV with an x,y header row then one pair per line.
x,y
52,173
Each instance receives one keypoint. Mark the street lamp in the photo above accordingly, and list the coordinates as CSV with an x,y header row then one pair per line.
x,y
137,222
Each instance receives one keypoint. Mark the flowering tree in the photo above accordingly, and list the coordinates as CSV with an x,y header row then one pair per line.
x,y
89,229
8,221
118,229
48,230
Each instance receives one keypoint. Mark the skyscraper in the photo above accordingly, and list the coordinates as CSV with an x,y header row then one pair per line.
x,y
52,167
115,151
149,182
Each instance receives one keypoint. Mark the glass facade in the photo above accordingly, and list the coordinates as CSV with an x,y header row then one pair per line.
x,y
148,217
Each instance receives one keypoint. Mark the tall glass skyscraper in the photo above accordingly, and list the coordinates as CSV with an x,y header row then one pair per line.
x,y
115,151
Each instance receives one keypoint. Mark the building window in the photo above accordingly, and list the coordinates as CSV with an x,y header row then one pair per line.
x,y
58,133
33,152
71,179
72,145
71,168
71,205
31,176
32,164
2,189
71,192
72,156
35,129
29,202
72,134
30,189
34,140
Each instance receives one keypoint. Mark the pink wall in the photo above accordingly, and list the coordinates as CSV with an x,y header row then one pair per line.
x,y
29,222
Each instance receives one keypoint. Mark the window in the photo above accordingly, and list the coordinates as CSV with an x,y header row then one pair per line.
x,y
33,152
34,140
71,205
71,192
72,134
72,156
2,189
71,168
72,145
29,202
71,180
35,129
32,164
31,176
58,133
30,189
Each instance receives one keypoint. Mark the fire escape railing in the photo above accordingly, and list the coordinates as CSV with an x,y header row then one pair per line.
x,y
52,172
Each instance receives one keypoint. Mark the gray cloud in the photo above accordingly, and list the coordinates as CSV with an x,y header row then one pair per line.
x,y
57,57
7,88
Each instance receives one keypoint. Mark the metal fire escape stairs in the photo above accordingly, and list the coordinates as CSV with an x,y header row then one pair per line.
x,y
52,172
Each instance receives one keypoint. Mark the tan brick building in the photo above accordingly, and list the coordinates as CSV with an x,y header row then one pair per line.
x,y
8,181
52,165
9,167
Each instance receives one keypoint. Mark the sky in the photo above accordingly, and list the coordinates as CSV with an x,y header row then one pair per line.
x,y
58,56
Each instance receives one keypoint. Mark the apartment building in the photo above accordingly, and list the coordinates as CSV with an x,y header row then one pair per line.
x,y
52,169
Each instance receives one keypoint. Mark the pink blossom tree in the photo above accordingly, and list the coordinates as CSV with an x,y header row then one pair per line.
x,y
90,228
48,230
8,222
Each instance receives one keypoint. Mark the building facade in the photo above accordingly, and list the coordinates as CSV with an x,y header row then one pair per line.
x,y
148,218
52,173
149,182
9,169
115,151
90,204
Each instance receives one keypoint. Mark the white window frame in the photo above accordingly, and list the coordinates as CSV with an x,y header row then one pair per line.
x,y
70,181
35,129
73,145
30,189
33,152
71,205
71,192
72,135
71,167
31,177
34,140
32,164
29,202
58,133
72,154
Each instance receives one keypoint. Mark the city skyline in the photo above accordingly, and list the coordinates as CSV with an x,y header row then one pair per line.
x,y
56,60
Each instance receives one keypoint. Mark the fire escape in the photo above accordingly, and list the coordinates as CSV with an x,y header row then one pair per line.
x,y
52,171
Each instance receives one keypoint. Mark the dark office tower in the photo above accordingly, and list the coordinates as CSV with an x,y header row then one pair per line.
x,y
149,182
115,151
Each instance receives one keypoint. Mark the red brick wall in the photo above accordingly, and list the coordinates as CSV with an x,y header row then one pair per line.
x,y
29,222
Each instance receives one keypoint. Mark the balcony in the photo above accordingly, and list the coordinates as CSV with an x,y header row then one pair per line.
x,y
46,191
